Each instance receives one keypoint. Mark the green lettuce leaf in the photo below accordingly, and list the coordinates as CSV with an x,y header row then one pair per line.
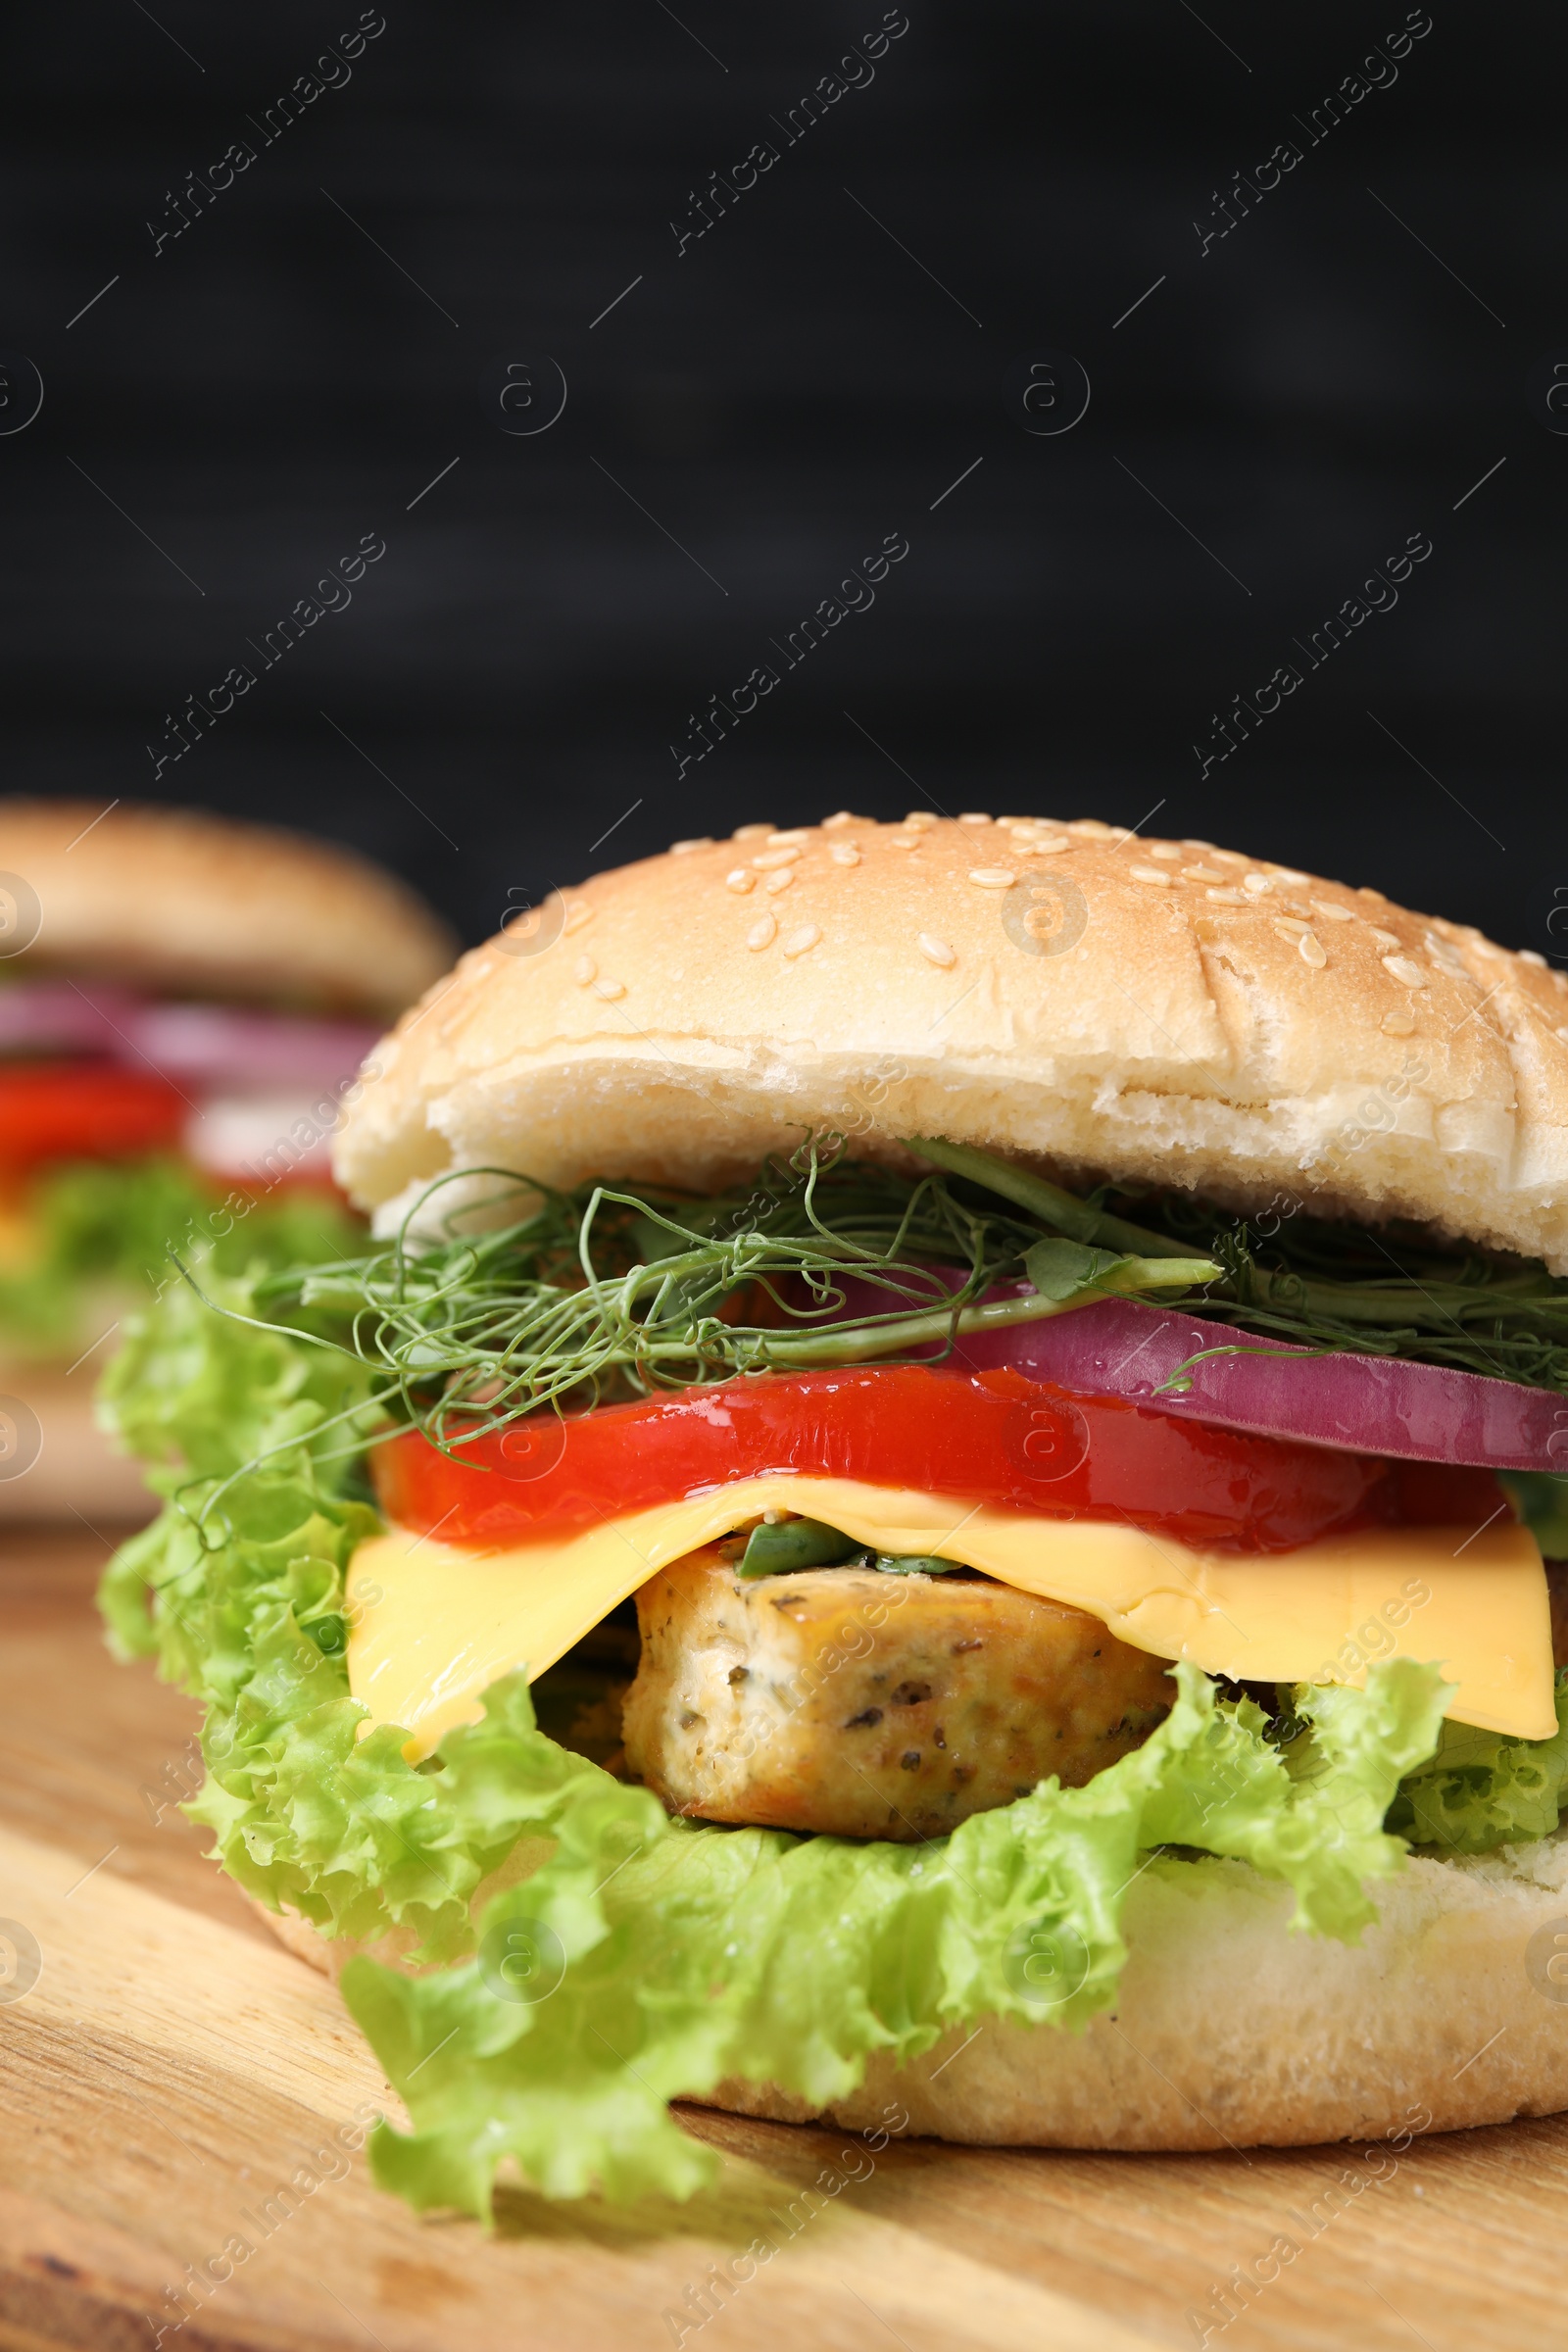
x,y
644,1957
254,1438
653,1956
1483,1790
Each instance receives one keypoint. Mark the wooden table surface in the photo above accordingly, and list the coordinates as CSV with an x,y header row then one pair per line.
x,y
171,2068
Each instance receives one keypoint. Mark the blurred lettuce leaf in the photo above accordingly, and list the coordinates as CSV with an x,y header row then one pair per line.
x,y
105,1227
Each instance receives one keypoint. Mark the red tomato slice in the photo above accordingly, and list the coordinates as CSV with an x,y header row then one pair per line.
x,y
993,1437
82,1110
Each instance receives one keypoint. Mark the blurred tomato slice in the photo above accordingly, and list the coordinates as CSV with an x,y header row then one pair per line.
x,y
53,1110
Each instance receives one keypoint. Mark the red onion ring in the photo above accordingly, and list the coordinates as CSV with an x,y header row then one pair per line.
x,y
219,1045
1359,1403
50,1016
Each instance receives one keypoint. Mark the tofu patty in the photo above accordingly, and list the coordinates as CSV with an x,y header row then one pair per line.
x,y
868,1706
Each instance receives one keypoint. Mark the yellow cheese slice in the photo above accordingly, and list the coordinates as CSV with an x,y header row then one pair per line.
x,y
433,1623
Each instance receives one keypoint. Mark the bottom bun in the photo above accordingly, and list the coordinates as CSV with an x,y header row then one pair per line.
x,y
1231,2031
75,1472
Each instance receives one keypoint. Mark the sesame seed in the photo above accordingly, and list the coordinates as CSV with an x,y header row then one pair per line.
x,y
1332,912
840,816
1166,851
1408,974
1562,1035
1398,1024
1225,898
1190,841
1533,956
974,816
751,832
584,970
680,848
1447,957
1488,948
1044,845
1203,873
1094,829
610,989
845,853
1287,873
1365,891
1311,949
904,841
799,942
1256,884
775,858
1151,873
763,934
1290,926
1227,857
992,877
779,881
796,833
1386,939
935,951
578,913
740,878
919,817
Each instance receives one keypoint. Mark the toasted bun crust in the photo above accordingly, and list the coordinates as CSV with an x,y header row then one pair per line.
x,y
174,898
1104,1003
1231,2032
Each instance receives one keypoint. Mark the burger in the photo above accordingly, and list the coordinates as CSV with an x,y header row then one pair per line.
x,y
182,1001
935,1498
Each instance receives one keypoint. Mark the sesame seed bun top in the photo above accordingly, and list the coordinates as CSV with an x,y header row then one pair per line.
x,y
187,904
1070,993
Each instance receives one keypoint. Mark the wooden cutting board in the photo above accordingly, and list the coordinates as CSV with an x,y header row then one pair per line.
x,y
171,2074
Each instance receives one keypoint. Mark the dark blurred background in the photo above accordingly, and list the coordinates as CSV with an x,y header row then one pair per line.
x,y
320,354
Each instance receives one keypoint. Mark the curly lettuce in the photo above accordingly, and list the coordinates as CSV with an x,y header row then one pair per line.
x,y
642,1958
1483,1790
649,1956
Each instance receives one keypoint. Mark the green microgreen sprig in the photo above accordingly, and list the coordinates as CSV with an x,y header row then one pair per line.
x,y
597,1294
1394,1290
534,1298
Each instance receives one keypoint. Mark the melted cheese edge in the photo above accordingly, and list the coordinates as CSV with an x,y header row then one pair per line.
x,y
432,1624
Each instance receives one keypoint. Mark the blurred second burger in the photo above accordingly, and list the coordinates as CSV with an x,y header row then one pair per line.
x,y
184,1003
